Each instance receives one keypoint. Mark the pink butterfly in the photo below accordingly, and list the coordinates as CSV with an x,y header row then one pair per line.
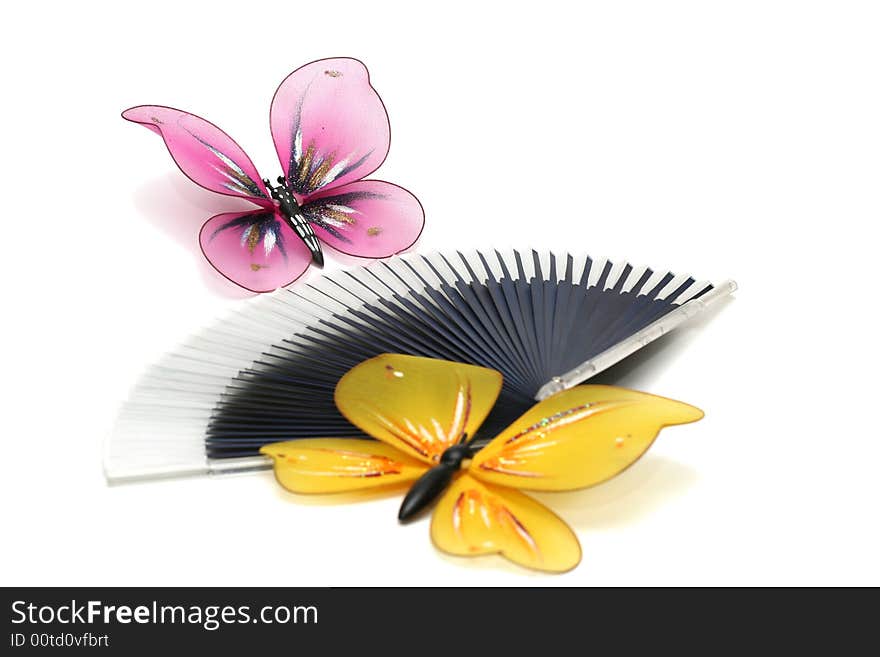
x,y
330,130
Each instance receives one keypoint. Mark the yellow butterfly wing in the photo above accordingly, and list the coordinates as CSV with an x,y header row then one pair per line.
x,y
474,518
418,405
577,438
337,465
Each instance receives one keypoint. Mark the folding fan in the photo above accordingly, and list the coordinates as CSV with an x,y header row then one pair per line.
x,y
267,373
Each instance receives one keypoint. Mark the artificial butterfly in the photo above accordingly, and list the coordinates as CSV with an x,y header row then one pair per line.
x,y
330,130
424,413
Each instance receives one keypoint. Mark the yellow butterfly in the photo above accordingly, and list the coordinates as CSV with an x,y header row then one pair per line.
x,y
424,411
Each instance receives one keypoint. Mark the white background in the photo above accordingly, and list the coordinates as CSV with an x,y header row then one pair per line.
x,y
730,139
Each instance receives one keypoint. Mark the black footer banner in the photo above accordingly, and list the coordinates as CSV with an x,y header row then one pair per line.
x,y
392,621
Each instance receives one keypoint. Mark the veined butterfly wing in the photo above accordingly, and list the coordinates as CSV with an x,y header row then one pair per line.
x,y
578,438
337,465
329,125
206,154
474,518
367,218
256,250
420,406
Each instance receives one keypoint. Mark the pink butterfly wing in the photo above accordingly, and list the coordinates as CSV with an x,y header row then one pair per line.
x,y
367,218
256,250
206,154
329,125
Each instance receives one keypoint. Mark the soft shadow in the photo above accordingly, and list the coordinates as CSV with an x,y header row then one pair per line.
x,y
636,492
639,369
178,208
350,261
335,499
633,494
483,562
480,562
347,261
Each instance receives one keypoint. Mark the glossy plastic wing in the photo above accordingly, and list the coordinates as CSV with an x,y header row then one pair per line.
x,y
329,125
368,218
336,465
474,518
206,154
256,250
578,438
418,405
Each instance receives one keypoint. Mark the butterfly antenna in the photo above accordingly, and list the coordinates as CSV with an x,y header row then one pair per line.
x,y
469,442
